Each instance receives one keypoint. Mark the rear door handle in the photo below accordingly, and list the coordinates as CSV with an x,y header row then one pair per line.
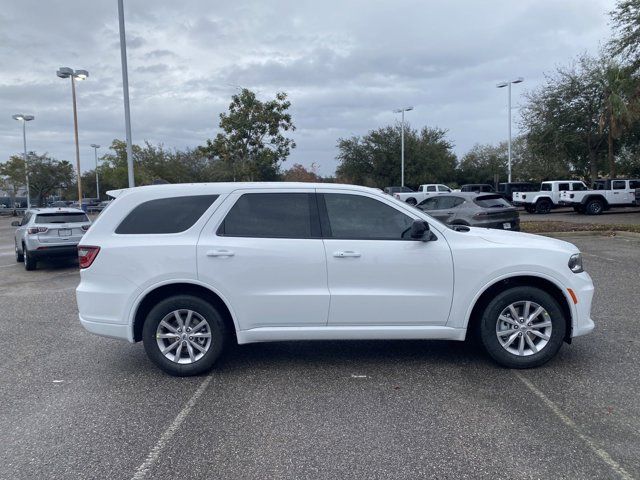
x,y
346,254
220,253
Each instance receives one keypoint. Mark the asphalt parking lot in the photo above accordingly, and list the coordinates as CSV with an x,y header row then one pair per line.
x,y
73,405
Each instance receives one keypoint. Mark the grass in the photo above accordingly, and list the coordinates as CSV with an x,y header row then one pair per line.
x,y
538,227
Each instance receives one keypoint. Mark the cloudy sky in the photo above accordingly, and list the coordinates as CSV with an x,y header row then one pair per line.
x,y
345,64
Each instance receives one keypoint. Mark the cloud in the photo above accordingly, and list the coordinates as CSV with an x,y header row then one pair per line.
x,y
345,65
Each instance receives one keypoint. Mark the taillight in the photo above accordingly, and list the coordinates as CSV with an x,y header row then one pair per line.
x,y
86,255
85,227
35,230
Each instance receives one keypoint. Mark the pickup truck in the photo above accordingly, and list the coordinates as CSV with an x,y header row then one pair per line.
x,y
604,195
424,191
548,197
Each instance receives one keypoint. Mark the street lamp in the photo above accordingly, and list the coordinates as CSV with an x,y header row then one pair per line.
x,y
502,85
95,153
402,110
66,72
24,119
125,91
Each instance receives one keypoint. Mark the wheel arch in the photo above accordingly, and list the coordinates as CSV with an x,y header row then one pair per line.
x,y
500,285
596,196
150,298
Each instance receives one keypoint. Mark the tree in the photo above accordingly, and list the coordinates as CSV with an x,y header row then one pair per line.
x,y
297,173
14,175
252,144
46,175
619,108
483,163
625,20
375,159
561,119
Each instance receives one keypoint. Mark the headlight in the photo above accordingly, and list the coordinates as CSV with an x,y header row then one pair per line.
x,y
575,263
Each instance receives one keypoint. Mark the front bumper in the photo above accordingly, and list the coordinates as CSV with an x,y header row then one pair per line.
x,y
582,321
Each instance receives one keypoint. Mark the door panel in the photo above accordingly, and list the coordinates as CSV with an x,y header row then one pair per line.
x,y
382,281
268,282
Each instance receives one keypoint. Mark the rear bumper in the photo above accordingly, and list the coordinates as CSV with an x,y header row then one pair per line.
x,y
112,330
55,251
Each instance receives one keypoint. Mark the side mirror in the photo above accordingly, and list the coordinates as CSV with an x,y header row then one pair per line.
x,y
420,231
15,223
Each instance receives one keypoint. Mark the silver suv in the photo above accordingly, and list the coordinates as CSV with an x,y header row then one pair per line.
x,y
49,232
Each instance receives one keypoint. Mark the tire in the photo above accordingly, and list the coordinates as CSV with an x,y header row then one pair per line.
x,y
529,209
578,209
543,206
594,207
515,355
19,255
30,263
411,201
192,361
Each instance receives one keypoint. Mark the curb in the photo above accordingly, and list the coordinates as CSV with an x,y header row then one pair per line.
x,y
592,233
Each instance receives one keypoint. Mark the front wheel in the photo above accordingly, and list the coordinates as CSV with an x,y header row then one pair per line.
x,y
19,255
184,335
522,327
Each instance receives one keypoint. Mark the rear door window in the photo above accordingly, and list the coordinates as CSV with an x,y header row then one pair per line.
x,y
272,215
61,217
165,215
619,185
563,187
545,187
445,202
431,188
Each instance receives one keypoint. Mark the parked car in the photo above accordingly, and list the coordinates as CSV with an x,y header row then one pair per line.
x,y
604,195
186,269
507,189
548,197
477,188
472,209
424,191
392,190
48,232
60,203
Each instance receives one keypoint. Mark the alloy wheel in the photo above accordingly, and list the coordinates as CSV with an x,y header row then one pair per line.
x,y
183,336
524,328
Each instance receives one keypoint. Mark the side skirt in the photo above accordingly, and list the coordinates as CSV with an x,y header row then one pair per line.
x,y
276,334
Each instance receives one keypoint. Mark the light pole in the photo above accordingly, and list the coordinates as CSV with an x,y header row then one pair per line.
x,y
66,72
402,110
125,91
95,153
24,119
502,85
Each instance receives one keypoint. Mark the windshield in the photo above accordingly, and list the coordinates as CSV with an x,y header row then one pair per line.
x,y
61,217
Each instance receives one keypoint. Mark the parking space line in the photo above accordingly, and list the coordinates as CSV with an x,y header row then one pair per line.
x,y
154,453
604,456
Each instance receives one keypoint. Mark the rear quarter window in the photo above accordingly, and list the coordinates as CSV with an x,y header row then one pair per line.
x,y
165,215
63,217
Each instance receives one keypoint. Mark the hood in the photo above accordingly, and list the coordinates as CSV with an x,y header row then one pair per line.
x,y
520,239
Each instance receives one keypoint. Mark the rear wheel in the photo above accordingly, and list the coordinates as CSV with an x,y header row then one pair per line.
x,y
543,206
19,255
411,201
184,335
522,327
529,208
30,263
594,207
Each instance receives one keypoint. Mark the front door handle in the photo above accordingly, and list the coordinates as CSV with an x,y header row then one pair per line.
x,y
346,254
220,253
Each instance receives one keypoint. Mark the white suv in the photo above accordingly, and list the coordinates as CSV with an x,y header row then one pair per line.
x,y
188,268
48,232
